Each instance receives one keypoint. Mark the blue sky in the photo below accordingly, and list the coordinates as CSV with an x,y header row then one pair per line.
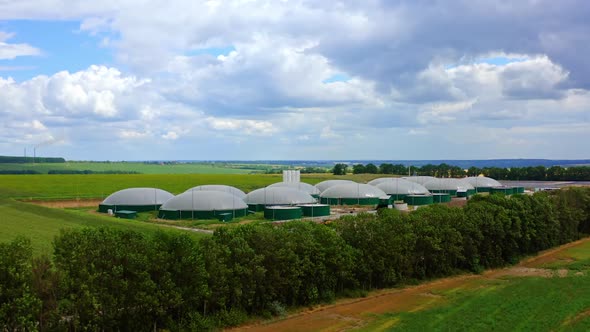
x,y
142,79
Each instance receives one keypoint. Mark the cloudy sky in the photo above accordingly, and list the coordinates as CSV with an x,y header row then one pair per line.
x,y
248,79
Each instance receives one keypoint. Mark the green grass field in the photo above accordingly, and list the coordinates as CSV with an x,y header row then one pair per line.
x,y
41,224
508,303
185,168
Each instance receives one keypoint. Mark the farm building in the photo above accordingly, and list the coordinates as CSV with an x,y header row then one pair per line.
x,y
220,187
454,187
352,194
419,179
400,188
330,183
482,183
135,199
260,198
308,188
201,204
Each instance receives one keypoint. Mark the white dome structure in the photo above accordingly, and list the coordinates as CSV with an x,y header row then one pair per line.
x,y
330,183
259,198
399,188
220,187
377,181
419,179
482,183
135,199
306,187
202,204
352,194
454,187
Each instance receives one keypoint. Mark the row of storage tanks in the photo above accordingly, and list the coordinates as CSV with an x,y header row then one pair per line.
x,y
293,200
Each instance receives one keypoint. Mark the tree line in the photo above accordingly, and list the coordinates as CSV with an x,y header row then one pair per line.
x,y
23,160
107,279
537,173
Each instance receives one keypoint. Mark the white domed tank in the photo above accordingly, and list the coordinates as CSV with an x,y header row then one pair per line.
x,y
135,199
453,187
202,204
377,181
308,188
400,188
352,194
483,183
260,198
220,187
419,179
330,183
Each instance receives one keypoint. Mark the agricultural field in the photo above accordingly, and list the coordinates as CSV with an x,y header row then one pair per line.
x,y
139,167
41,224
547,292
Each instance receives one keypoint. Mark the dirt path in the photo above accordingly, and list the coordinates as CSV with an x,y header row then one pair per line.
x,y
351,313
68,203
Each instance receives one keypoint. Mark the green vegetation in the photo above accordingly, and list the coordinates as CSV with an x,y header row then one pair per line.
x,y
41,224
110,279
139,167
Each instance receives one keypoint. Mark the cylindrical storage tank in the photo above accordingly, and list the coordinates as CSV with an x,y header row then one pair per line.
x,y
330,183
135,199
419,179
519,190
441,198
377,181
400,188
282,212
278,196
419,199
220,187
352,194
501,190
203,205
315,210
482,184
308,188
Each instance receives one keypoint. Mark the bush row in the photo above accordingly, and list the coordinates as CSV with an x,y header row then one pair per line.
x,y
105,279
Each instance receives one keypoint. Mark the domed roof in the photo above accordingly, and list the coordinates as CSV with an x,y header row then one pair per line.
x,y
448,184
419,179
138,197
353,190
308,188
278,196
396,186
203,200
482,181
330,183
220,187
377,181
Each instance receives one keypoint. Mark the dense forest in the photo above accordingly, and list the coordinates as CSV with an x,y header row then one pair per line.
x,y
106,279
537,173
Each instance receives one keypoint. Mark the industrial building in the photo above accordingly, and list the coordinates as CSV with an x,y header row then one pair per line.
x,y
199,204
135,199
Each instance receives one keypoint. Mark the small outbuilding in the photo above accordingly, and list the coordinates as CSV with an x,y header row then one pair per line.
x,y
352,194
135,199
200,204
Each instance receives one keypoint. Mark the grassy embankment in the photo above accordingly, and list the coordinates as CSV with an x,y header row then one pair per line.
x,y
508,303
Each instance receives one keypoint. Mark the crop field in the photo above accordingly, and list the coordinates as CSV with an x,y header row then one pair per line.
x,y
41,224
144,168
549,292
